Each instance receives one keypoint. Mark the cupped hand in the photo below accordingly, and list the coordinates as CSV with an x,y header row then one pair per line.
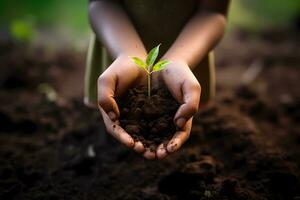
x,y
121,75
185,88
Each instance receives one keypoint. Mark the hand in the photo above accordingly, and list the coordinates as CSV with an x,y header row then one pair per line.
x,y
185,88
179,80
121,75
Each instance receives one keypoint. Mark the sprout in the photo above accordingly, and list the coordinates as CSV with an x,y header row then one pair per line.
x,y
149,66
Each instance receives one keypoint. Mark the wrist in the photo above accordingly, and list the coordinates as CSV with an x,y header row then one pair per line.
x,y
174,59
175,63
140,54
128,56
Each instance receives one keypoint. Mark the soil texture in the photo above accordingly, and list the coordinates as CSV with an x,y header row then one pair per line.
x,y
149,119
243,146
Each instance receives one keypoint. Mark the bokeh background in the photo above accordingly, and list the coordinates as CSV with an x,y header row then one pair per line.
x,y
34,19
56,24
243,145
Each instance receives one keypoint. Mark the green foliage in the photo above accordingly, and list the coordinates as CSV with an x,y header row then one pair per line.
x,y
23,30
140,63
148,65
152,56
257,15
68,17
160,65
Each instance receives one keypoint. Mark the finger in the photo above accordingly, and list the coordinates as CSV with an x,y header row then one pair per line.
x,y
139,147
116,131
161,151
191,97
180,137
149,155
106,91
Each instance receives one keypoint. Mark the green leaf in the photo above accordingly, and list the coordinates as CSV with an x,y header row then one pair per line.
x,y
152,56
160,65
139,62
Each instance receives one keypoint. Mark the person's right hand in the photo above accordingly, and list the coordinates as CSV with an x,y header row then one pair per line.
x,y
121,75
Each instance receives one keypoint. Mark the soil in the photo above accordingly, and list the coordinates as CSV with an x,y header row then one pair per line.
x,y
148,119
243,145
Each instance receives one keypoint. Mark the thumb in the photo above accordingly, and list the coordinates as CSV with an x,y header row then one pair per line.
x,y
191,97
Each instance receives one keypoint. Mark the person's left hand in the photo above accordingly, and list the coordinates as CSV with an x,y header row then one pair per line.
x,y
185,88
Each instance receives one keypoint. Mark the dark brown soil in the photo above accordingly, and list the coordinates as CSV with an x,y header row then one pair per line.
x,y
244,145
148,119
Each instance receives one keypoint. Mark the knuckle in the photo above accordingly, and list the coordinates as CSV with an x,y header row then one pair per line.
x,y
194,107
102,79
130,144
196,86
102,100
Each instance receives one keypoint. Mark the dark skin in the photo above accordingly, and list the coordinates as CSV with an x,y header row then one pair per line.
x,y
197,38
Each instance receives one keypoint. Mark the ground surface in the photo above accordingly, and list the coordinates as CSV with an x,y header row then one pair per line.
x,y
244,145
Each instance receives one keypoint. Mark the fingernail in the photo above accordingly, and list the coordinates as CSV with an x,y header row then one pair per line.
x,y
180,122
112,116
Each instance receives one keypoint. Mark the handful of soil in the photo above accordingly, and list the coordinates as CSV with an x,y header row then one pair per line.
x,y
148,119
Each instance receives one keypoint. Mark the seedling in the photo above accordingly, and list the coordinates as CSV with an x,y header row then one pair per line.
x,y
149,66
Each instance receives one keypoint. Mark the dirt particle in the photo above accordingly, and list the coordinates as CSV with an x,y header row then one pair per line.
x,y
132,129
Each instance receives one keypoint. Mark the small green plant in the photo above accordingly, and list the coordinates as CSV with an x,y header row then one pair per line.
x,y
150,66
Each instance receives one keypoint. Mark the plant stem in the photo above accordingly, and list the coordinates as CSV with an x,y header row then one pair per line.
x,y
149,84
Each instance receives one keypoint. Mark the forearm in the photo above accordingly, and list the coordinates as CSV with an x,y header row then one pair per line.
x,y
114,29
198,37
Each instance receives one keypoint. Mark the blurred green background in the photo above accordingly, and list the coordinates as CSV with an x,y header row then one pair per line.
x,y
28,19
